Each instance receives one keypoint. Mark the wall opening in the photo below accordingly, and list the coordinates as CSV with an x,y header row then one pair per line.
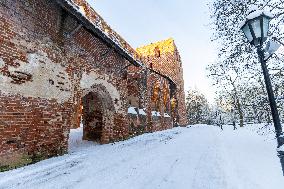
x,y
92,117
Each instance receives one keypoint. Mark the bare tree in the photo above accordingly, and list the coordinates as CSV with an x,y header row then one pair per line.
x,y
236,72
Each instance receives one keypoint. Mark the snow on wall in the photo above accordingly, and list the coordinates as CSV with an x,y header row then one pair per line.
x,y
131,110
142,112
156,114
47,79
166,115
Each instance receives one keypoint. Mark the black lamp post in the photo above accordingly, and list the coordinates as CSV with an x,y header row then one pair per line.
x,y
255,28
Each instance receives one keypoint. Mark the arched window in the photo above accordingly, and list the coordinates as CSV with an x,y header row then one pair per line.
x,y
151,65
156,95
166,95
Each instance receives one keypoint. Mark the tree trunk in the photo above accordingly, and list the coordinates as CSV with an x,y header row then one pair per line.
x,y
268,116
240,113
238,104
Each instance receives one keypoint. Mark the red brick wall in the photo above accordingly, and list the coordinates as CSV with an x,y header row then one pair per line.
x,y
169,64
140,89
48,63
33,127
35,123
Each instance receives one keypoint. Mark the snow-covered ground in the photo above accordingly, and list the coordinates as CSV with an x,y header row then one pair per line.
x,y
197,157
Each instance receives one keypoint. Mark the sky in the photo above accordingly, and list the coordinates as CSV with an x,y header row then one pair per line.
x,y
187,21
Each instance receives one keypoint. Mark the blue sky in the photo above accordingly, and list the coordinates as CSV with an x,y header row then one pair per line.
x,y
187,21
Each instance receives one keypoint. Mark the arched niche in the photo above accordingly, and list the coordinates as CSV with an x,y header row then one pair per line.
x,y
97,114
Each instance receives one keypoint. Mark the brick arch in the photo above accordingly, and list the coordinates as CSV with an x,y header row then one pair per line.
x,y
93,80
98,114
103,93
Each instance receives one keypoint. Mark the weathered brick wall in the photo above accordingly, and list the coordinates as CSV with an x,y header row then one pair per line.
x,y
158,107
136,111
48,62
164,58
153,103
32,128
52,69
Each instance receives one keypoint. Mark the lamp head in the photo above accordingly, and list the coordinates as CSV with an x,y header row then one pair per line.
x,y
256,27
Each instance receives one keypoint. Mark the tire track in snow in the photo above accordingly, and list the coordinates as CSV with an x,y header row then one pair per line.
x,y
208,172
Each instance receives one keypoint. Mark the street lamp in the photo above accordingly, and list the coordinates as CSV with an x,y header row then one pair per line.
x,y
255,28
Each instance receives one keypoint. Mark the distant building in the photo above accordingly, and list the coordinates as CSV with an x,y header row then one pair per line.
x,y
62,65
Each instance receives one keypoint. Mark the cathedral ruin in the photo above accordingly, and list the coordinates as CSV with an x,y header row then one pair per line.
x,y
61,65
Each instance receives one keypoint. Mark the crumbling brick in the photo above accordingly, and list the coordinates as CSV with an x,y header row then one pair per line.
x,y
60,63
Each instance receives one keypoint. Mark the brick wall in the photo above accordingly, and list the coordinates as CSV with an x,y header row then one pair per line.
x,y
163,57
44,75
52,69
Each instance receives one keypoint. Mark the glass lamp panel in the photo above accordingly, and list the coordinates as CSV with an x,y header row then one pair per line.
x,y
256,27
247,32
265,26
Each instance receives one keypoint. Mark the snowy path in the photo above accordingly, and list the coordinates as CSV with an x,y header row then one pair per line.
x,y
199,157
